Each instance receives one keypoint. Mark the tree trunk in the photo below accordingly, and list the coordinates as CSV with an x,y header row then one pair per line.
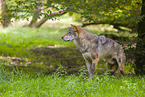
x,y
5,15
36,13
140,48
42,21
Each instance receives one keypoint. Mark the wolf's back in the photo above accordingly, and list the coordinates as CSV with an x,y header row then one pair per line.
x,y
111,48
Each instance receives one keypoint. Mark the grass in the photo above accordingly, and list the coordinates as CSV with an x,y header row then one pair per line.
x,y
71,86
37,62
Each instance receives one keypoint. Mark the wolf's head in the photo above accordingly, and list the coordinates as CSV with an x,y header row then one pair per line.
x,y
73,33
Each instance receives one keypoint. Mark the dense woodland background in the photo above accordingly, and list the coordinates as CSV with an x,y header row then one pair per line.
x,y
35,61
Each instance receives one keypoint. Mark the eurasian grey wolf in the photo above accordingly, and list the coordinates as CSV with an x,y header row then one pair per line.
x,y
95,48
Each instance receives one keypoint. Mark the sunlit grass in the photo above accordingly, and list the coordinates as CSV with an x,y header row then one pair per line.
x,y
74,86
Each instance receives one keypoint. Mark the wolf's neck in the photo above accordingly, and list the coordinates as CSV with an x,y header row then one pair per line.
x,y
85,41
82,44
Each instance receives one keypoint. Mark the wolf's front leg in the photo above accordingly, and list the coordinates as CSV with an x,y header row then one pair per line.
x,y
88,60
94,64
91,63
91,67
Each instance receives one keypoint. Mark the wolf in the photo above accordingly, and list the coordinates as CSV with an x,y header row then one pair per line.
x,y
95,48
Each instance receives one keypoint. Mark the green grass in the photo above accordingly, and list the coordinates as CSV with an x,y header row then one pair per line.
x,y
71,86
49,67
30,38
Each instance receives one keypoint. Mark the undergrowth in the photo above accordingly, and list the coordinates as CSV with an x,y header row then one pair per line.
x,y
60,84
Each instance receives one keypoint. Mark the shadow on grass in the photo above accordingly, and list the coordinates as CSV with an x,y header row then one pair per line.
x,y
69,57
47,61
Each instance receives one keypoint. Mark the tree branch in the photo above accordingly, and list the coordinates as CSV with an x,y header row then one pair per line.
x,y
36,13
53,14
116,25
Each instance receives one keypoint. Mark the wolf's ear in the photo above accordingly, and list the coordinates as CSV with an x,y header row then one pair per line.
x,y
102,39
77,29
74,27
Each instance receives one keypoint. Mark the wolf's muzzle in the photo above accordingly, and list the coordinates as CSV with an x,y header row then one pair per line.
x,y
63,38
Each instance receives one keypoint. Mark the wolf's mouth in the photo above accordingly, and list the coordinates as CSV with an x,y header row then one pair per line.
x,y
64,39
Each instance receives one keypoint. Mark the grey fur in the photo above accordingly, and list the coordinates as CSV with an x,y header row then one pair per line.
x,y
95,48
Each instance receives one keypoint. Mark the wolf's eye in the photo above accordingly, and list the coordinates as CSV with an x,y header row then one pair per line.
x,y
69,32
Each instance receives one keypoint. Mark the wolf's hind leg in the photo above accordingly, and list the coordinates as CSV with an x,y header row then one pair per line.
x,y
111,68
114,68
112,65
108,66
121,66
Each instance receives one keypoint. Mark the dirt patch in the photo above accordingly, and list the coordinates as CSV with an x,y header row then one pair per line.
x,y
69,57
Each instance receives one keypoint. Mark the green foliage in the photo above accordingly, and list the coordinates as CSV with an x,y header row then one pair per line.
x,y
60,72
123,12
23,9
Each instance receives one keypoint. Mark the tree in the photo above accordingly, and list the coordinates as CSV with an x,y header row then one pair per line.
x,y
5,20
24,9
46,15
140,48
36,14
114,12
52,14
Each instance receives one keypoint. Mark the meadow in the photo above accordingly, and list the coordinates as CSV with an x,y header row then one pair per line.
x,y
38,63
